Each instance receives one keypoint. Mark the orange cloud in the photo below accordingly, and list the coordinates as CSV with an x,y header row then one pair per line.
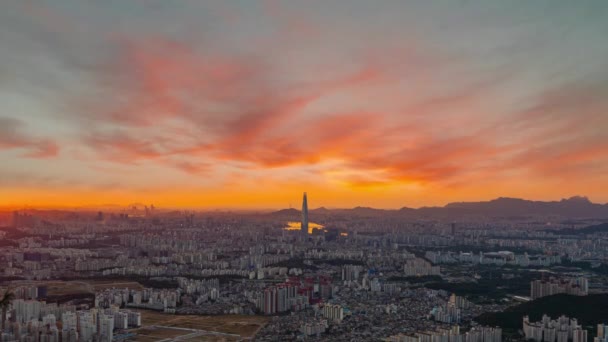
x,y
242,120
222,109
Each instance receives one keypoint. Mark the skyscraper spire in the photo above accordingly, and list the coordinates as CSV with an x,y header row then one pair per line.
x,y
304,227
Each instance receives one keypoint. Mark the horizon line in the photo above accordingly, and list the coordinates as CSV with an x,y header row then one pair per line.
x,y
119,207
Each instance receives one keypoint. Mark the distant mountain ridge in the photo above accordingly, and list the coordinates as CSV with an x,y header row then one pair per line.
x,y
576,206
287,212
572,207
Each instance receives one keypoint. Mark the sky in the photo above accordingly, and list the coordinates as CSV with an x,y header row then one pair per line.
x,y
247,104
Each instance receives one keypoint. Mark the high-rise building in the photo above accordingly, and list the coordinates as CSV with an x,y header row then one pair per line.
x,y
121,320
351,272
270,301
134,319
476,334
562,329
579,335
572,286
602,333
419,267
69,321
333,312
304,227
106,328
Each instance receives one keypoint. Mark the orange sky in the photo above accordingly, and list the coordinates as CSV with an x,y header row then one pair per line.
x,y
273,197
219,105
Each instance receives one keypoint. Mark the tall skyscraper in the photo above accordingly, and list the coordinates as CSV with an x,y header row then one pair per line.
x,y
304,227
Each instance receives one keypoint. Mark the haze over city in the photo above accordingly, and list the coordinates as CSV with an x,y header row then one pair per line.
x,y
245,104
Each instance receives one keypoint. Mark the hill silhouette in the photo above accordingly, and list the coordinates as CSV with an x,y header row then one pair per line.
x,y
589,310
574,207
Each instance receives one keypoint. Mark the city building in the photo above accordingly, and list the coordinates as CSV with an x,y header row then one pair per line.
x,y
572,286
562,329
333,312
304,227
419,267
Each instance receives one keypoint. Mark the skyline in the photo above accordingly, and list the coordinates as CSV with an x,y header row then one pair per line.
x,y
248,104
112,207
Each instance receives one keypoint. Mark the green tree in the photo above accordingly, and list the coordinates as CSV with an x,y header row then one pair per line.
x,y
6,300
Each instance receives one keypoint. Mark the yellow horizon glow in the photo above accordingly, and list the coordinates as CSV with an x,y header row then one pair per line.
x,y
279,196
292,225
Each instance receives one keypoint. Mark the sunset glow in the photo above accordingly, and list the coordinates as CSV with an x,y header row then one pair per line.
x,y
298,225
229,104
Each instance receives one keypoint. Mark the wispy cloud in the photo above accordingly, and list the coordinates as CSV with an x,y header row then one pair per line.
x,y
279,93
13,136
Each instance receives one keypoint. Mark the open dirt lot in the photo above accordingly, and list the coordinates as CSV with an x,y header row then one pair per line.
x,y
158,333
245,326
211,339
102,285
